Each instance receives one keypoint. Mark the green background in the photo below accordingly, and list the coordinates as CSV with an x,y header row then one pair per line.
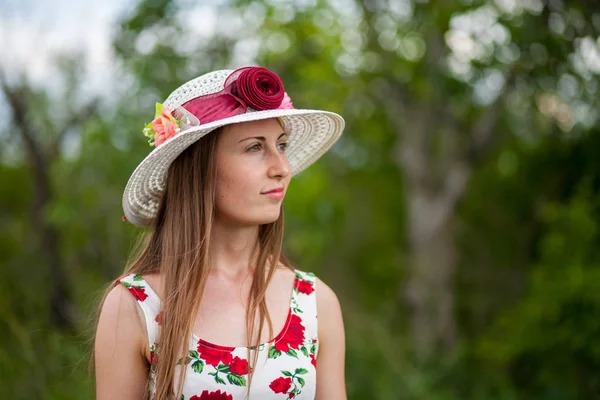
x,y
456,218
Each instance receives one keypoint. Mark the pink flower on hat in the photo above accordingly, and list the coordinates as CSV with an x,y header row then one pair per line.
x,y
286,103
165,126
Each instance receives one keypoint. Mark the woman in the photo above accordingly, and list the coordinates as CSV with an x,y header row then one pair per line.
x,y
187,318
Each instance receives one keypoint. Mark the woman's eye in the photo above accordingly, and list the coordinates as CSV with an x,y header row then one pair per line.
x,y
256,147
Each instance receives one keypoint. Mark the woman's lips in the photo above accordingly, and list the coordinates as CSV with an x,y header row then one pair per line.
x,y
275,195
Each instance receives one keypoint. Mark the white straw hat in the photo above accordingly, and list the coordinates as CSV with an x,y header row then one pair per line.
x,y
240,93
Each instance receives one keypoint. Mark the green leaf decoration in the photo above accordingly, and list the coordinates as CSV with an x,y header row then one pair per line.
x,y
274,353
287,373
304,351
158,109
292,352
300,371
127,284
198,366
194,354
219,380
235,379
223,368
313,348
148,131
137,277
301,381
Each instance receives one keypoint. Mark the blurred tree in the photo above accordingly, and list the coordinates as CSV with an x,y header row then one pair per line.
x,y
42,134
548,342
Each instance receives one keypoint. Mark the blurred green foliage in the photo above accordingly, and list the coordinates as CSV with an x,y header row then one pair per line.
x,y
525,228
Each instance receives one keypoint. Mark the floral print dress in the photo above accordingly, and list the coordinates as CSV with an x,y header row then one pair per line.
x,y
286,367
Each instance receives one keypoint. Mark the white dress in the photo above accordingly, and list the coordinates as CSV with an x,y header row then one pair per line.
x,y
286,367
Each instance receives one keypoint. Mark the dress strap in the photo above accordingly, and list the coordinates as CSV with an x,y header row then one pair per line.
x,y
149,302
305,305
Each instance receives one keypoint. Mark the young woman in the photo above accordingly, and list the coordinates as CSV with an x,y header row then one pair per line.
x,y
210,308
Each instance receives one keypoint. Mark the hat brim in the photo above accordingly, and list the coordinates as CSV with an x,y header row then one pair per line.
x,y
311,134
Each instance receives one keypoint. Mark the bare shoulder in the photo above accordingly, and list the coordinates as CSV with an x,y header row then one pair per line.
x,y
328,303
121,368
329,311
119,318
331,354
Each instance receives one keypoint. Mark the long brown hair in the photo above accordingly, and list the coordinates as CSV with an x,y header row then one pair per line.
x,y
177,247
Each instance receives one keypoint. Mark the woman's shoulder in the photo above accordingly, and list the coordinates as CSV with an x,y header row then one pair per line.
x,y
328,303
119,313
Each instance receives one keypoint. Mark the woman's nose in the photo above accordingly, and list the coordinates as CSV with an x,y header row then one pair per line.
x,y
278,164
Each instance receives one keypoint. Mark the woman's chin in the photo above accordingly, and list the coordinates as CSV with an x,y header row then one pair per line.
x,y
269,219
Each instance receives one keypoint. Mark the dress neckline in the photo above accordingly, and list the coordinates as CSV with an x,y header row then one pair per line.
x,y
206,343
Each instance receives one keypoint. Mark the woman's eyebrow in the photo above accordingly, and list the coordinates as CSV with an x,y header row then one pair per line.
x,y
261,137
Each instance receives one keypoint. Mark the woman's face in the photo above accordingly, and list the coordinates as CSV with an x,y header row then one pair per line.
x,y
251,160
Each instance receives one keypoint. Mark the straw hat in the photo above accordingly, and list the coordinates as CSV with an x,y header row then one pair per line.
x,y
210,101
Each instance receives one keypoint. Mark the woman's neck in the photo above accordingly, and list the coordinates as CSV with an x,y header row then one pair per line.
x,y
232,249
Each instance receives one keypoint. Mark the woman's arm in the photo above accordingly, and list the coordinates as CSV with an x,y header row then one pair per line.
x,y
331,382
121,367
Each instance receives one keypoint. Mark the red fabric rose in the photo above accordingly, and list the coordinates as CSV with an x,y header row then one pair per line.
x,y
218,395
239,366
259,88
255,87
138,292
304,286
281,385
294,336
214,356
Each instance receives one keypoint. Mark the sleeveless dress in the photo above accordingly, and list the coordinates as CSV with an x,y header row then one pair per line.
x,y
286,367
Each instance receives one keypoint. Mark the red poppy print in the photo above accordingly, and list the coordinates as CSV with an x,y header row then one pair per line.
x,y
218,395
153,357
281,385
138,292
304,287
159,318
294,336
214,356
239,366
